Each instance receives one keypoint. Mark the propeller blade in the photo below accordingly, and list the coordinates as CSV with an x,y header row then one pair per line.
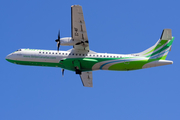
x,y
63,72
58,45
58,41
59,35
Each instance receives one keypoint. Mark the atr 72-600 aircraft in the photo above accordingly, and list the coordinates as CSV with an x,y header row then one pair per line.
x,y
83,61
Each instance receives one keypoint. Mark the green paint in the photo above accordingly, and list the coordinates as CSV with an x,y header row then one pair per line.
x,y
163,57
163,48
132,65
76,63
85,64
161,43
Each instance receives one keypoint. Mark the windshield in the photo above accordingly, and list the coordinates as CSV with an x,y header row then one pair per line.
x,y
18,50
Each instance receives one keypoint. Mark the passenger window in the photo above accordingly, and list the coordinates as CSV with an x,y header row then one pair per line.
x,y
46,52
56,53
49,52
79,54
62,53
43,52
52,53
73,54
59,53
107,56
104,56
69,53
97,55
39,52
83,54
76,54
66,53
111,56
100,55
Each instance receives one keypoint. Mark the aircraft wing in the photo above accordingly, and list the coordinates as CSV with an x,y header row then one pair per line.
x,y
86,78
78,28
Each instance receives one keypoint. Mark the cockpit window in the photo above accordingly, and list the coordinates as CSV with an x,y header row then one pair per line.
x,y
18,50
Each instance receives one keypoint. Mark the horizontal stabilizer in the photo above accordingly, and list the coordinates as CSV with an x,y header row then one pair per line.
x,y
157,63
166,34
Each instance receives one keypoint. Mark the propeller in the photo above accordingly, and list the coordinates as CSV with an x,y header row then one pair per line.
x,y
63,72
58,41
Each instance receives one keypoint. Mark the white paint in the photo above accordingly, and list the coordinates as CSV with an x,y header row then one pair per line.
x,y
157,63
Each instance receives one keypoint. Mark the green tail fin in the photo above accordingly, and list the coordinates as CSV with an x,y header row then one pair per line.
x,y
161,48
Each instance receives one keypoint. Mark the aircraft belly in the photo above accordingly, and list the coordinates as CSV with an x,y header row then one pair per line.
x,y
124,65
135,65
87,65
83,64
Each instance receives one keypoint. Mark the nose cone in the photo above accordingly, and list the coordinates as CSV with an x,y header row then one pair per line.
x,y
9,57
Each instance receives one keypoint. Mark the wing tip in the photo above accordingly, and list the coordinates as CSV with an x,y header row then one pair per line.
x,y
76,5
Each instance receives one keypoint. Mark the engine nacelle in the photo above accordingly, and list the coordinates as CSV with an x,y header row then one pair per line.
x,y
67,41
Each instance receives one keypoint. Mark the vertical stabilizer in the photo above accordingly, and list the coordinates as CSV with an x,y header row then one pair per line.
x,y
166,34
161,48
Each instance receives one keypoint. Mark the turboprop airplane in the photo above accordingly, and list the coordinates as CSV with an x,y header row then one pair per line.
x,y
83,61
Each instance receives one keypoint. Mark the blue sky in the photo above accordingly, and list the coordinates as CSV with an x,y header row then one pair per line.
x,y
28,92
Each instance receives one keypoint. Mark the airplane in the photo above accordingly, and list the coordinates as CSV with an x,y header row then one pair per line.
x,y
83,61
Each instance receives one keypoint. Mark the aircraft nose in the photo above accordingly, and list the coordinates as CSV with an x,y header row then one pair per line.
x,y
8,57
